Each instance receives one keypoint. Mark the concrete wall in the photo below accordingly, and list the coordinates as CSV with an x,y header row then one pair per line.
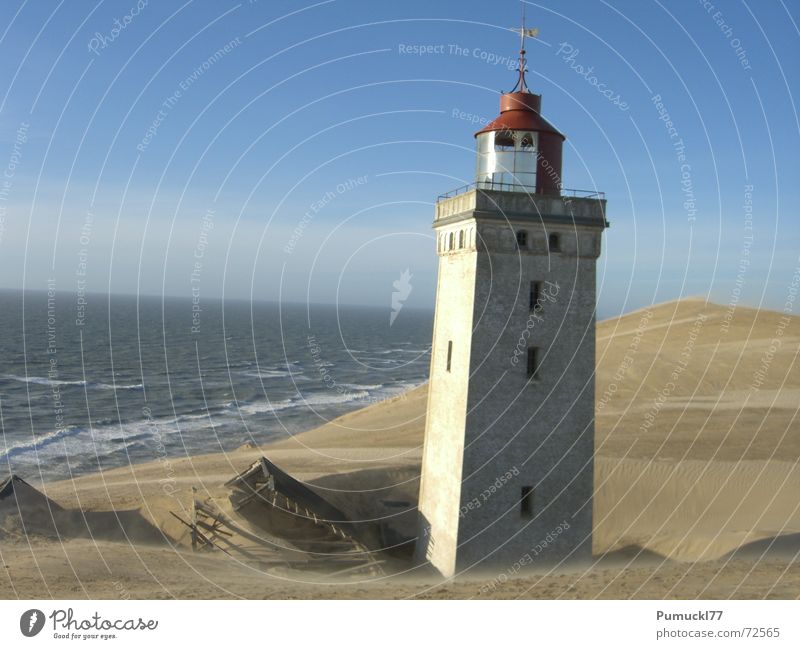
x,y
440,487
490,430
540,430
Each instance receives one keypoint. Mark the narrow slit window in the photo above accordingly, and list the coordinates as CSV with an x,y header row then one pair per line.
x,y
522,239
451,241
461,239
526,502
536,289
449,354
533,361
554,242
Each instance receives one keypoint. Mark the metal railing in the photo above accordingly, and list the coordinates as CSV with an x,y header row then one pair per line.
x,y
515,187
583,193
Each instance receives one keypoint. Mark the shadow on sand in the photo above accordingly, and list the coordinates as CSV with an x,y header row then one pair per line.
x,y
25,511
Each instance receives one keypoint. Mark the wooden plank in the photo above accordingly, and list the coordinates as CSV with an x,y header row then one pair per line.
x,y
202,537
212,528
362,566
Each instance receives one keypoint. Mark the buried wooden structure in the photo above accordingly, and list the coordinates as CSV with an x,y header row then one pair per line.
x,y
279,521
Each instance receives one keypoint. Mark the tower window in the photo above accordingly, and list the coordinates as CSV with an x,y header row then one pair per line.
x,y
533,361
536,289
526,502
522,239
449,354
554,242
461,239
451,241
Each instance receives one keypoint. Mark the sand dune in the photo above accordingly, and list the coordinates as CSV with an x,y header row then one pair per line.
x,y
697,482
734,397
694,510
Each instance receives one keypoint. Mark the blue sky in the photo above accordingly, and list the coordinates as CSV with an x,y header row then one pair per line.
x,y
294,150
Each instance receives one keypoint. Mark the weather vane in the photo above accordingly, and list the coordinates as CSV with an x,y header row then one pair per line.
x,y
523,32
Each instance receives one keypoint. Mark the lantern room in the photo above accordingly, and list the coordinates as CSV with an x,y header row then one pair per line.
x,y
519,151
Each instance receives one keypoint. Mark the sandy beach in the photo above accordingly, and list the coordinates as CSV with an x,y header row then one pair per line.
x,y
697,486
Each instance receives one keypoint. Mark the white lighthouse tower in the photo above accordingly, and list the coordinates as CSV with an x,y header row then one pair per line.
x,y
507,470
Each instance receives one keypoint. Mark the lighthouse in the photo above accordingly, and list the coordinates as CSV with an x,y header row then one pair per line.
x,y
507,467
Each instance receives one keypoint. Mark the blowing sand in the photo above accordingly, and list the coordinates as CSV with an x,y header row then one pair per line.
x,y
697,485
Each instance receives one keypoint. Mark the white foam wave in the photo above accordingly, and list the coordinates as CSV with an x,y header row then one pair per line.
x,y
41,380
37,442
104,439
303,401
358,386
116,386
277,374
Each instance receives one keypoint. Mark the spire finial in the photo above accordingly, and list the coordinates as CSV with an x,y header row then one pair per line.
x,y
522,86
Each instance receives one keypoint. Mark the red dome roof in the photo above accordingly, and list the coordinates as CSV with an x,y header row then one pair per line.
x,y
519,111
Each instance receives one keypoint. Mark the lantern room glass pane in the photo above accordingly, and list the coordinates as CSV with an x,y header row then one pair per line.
x,y
506,160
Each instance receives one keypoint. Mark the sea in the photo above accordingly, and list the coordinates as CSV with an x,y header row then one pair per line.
x,y
89,383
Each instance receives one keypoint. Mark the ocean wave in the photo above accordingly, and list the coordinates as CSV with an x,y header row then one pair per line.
x,y
288,366
268,374
276,374
385,352
105,438
358,386
260,407
334,399
117,386
302,401
39,442
41,380
384,361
